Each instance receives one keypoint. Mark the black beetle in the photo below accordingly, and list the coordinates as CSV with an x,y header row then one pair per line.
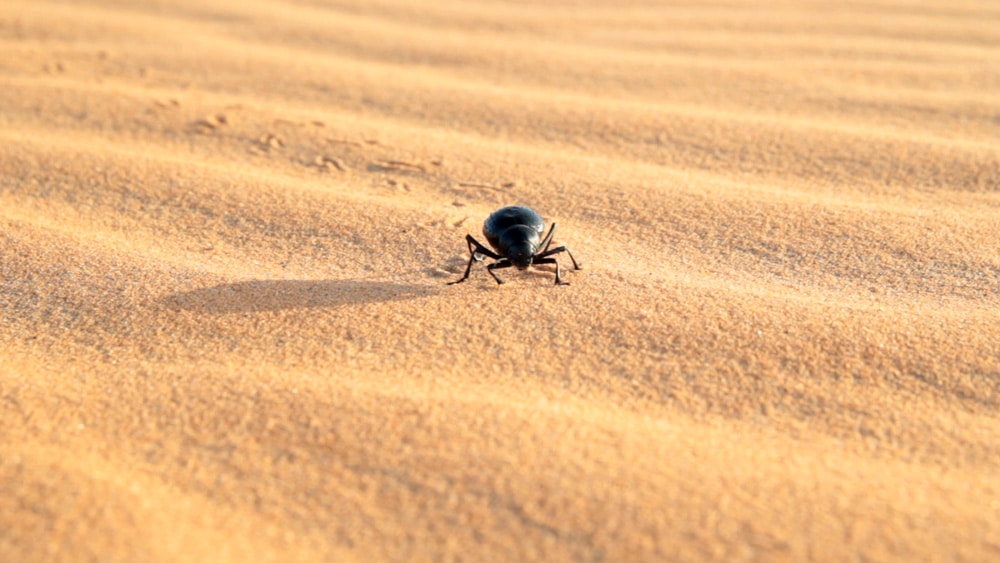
x,y
514,232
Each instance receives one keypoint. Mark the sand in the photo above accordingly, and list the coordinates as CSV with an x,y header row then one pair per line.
x,y
226,229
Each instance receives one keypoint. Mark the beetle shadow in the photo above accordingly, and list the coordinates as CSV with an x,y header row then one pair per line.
x,y
278,295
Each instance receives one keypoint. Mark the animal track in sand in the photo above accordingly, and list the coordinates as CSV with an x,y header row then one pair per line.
x,y
169,104
211,122
329,163
501,187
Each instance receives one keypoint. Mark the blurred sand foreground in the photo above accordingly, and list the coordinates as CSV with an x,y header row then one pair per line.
x,y
227,228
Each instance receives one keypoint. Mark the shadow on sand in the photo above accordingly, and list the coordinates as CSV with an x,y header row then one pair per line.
x,y
278,295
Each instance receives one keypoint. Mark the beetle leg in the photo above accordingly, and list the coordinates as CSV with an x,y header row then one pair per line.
x,y
544,245
476,254
468,269
504,263
551,261
476,248
557,250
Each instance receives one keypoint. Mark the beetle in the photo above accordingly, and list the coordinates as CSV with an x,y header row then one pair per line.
x,y
515,233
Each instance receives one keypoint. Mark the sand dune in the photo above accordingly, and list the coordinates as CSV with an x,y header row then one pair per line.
x,y
227,228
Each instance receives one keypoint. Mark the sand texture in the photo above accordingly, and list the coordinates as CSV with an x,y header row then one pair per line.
x,y
226,229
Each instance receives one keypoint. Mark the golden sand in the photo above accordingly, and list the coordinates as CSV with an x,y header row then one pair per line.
x,y
226,229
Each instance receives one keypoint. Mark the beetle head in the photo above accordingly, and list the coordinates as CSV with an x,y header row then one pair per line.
x,y
521,255
520,243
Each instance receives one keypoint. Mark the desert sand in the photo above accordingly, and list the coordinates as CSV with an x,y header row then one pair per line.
x,y
226,230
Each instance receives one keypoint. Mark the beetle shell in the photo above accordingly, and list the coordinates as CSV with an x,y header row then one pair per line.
x,y
515,233
501,220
